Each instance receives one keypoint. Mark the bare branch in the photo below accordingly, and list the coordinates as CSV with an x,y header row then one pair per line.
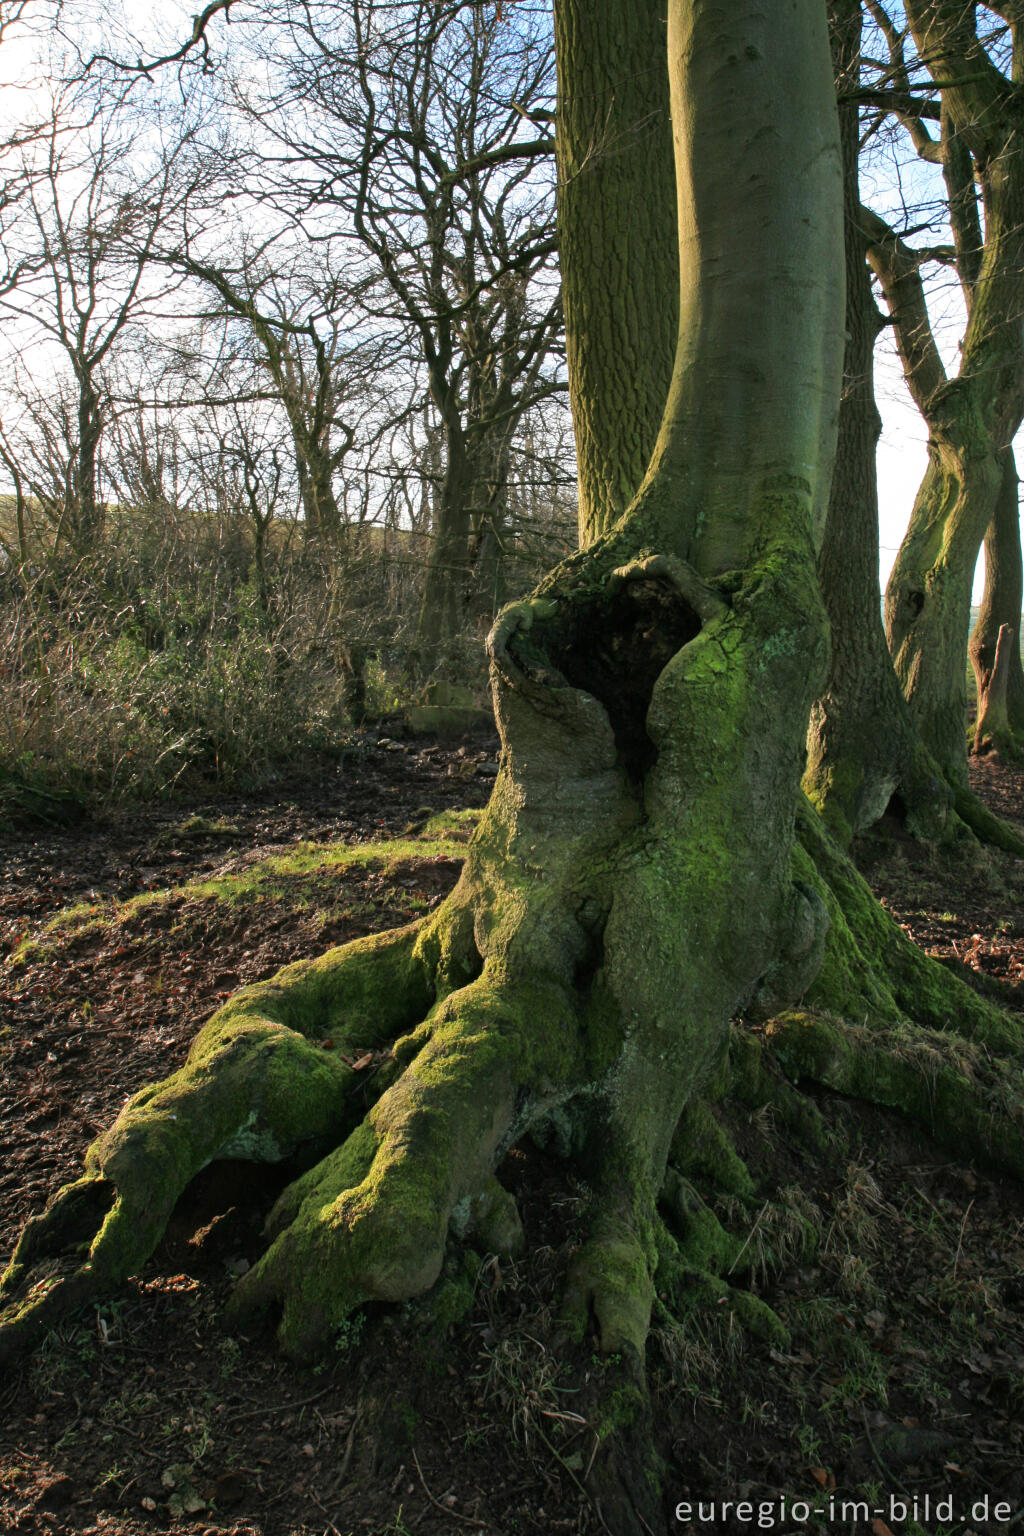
x,y
199,38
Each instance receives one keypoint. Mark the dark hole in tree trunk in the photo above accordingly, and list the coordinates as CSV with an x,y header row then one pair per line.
x,y
618,649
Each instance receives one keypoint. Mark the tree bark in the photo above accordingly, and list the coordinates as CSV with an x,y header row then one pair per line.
x,y
618,242
1001,603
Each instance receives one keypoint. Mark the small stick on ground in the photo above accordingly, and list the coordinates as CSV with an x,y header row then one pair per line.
x,y
452,1514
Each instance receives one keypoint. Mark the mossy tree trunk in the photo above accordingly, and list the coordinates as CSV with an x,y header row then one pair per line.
x,y
928,599
862,747
1001,606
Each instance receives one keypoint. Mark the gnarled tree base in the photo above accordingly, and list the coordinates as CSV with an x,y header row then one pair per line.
x,y
634,884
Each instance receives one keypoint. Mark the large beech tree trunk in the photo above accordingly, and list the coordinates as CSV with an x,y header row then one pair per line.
x,y
629,888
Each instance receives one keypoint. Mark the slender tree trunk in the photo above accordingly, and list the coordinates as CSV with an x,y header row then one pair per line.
x,y
862,748
88,511
992,724
970,419
617,235
321,514
488,542
928,599
259,554
1002,599
442,609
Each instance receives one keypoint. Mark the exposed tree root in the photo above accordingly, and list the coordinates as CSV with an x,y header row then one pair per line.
x,y
960,1096
266,1080
370,1221
986,826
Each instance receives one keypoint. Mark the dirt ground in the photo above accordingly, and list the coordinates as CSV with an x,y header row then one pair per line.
x,y
904,1377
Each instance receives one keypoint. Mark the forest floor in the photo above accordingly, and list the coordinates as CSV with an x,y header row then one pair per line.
x,y
904,1379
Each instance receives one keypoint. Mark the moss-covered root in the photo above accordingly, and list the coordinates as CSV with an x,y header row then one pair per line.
x,y
871,968
610,1286
625,1473
689,1277
266,1076
966,1099
369,1222
989,828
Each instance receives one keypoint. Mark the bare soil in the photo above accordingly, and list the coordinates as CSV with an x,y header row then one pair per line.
x,y
904,1377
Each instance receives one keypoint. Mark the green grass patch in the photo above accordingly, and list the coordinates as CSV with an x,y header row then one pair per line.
x,y
277,877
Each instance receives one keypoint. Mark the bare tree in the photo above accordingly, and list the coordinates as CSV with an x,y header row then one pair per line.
x,y
403,138
82,247
299,329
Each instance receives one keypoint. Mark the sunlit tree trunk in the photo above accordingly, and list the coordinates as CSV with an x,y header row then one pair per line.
x,y
1001,605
